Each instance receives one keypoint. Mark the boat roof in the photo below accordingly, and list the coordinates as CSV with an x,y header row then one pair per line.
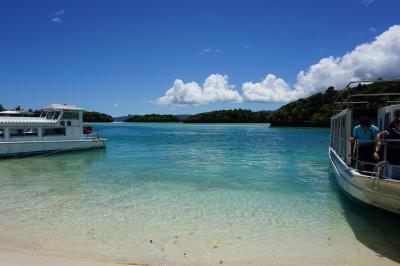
x,y
345,99
9,121
66,107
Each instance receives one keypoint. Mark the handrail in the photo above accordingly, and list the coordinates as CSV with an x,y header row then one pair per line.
x,y
373,95
379,167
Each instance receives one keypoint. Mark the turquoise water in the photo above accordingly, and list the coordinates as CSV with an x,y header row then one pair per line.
x,y
187,194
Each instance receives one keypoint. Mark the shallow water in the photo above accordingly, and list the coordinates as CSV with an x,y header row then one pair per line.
x,y
177,193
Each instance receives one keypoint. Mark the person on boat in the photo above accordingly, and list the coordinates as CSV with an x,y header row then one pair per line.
x,y
365,134
393,148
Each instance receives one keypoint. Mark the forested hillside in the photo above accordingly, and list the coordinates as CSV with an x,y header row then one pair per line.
x,y
316,110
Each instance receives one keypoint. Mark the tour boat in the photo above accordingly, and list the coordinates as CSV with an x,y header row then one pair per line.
x,y
59,128
378,184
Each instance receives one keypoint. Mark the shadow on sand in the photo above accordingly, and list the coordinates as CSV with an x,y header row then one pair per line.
x,y
377,229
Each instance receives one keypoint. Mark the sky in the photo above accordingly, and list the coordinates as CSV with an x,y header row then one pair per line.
x,y
184,57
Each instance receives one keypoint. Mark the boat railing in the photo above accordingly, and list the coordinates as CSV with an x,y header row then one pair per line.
x,y
94,136
385,167
89,133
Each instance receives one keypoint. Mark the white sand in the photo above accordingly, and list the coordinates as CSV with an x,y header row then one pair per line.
x,y
12,258
8,258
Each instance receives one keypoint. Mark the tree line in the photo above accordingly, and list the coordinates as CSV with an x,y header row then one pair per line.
x,y
313,111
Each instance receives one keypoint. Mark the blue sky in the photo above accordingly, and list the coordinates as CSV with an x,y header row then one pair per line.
x,y
119,57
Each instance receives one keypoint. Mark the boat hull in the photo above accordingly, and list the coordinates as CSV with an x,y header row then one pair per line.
x,y
381,193
27,148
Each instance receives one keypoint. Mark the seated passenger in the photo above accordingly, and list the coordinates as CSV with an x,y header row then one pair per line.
x,y
393,148
365,134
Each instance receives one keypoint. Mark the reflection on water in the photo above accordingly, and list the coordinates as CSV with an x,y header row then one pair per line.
x,y
377,229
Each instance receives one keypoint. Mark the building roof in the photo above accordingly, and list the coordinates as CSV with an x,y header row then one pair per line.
x,y
9,121
64,107
12,112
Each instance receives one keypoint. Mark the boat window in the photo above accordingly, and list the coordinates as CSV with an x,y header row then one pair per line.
x,y
339,138
396,113
343,140
1,132
54,131
56,115
68,123
70,115
387,120
43,114
49,115
335,134
23,132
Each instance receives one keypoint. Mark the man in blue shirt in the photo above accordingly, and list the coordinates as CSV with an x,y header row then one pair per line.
x,y
365,134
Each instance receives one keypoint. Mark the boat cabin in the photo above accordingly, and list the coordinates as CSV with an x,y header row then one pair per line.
x,y
342,125
56,122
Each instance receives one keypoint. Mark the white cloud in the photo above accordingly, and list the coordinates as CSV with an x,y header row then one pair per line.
x,y
56,20
58,13
215,89
378,59
368,2
116,104
372,29
210,50
56,16
271,89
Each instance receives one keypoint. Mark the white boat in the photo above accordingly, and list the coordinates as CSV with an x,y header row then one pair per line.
x,y
378,184
59,128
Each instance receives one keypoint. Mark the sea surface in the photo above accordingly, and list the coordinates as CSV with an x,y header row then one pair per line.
x,y
204,194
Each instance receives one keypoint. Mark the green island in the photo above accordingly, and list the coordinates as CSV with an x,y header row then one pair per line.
x,y
152,118
229,116
96,117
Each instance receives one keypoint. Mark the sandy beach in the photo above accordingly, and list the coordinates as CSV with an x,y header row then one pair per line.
x,y
9,258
